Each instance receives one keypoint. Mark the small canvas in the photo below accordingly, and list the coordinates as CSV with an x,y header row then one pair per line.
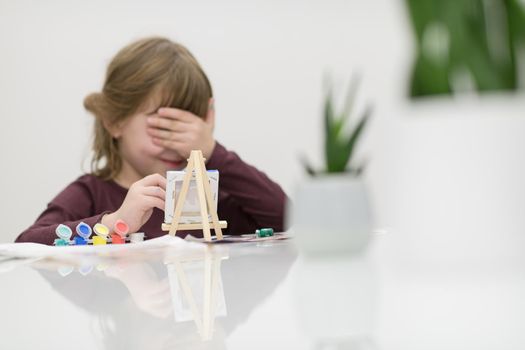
x,y
191,209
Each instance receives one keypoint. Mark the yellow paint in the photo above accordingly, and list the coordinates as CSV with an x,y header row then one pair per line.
x,y
101,230
98,240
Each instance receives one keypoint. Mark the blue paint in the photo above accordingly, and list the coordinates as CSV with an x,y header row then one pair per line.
x,y
80,241
83,230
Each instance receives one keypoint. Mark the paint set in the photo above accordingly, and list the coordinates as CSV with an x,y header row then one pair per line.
x,y
103,235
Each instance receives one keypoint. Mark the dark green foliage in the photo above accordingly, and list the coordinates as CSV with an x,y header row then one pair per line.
x,y
478,38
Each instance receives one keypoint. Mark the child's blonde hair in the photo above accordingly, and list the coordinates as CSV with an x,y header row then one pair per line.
x,y
138,72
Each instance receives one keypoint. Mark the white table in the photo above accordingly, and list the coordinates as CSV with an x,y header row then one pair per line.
x,y
263,296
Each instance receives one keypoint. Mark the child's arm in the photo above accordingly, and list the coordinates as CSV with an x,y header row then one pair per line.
x,y
87,200
72,206
252,199
43,230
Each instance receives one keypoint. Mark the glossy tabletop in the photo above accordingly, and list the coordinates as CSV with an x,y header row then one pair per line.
x,y
263,295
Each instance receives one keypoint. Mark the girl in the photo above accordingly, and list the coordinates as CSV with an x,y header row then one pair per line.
x,y
156,106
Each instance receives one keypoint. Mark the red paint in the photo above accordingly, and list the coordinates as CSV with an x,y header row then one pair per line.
x,y
116,239
121,228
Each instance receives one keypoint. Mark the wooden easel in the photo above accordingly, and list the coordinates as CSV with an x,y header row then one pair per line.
x,y
196,163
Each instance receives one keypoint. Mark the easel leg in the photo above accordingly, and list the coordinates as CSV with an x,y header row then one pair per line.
x,y
177,211
209,199
202,199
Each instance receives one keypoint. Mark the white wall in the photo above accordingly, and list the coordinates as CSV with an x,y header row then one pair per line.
x,y
439,170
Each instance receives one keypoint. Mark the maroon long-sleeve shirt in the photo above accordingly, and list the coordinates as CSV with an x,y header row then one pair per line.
x,y
248,199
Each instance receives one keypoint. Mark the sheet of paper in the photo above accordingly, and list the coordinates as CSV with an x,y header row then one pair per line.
x,y
35,250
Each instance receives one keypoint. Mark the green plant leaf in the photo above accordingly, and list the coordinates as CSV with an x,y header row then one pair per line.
x,y
328,112
351,143
330,131
339,147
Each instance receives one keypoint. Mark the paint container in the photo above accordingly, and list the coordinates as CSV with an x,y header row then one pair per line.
x,y
116,239
98,240
61,242
264,232
64,232
102,232
136,237
84,230
80,241
120,230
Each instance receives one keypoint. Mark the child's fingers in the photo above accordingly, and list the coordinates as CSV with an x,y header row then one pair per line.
x,y
154,180
170,124
182,137
163,123
154,191
154,202
170,144
177,114
160,133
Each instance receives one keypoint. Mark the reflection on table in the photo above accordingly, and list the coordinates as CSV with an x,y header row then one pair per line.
x,y
172,299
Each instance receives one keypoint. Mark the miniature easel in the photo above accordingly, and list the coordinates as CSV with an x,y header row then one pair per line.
x,y
196,163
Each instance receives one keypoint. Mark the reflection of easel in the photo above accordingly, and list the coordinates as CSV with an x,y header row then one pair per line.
x,y
212,266
196,163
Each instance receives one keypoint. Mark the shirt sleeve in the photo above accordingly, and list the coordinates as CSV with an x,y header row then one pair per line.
x,y
72,206
254,201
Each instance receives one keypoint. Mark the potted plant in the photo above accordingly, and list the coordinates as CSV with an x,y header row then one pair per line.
x,y
330,211
458,140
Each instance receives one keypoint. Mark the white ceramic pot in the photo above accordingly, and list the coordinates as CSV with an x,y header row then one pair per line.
x,y
330,214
